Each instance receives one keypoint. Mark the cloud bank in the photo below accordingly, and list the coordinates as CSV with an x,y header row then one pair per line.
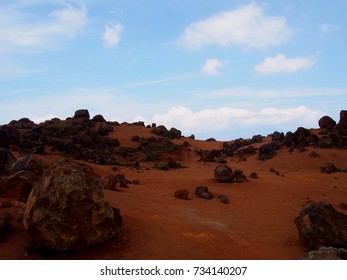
x,y
246,26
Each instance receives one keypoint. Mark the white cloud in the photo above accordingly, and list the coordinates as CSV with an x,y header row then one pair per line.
x,y
22,31
245,26
111,37
328,27
212,120
211,66
282,64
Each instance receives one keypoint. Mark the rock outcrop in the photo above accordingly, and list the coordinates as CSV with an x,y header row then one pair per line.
x,y
67,209
319,224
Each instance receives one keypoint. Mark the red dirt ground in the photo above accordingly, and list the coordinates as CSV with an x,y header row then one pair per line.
x,y
257,224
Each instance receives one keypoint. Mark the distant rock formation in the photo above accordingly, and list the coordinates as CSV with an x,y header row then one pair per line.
x,y
319,224
326,122
68,209
82,114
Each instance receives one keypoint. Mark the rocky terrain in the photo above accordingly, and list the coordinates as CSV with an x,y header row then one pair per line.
x,y
87,188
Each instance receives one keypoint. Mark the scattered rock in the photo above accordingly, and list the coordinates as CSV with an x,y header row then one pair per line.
x,y
173,163
82,114
254,175
222,198
329,168
239,177
202,192
110,182
267,151
211,140
257,138
68,209
272,169
314,154
319,224
209,156
182,194
223,173
277,136
98,118
326,253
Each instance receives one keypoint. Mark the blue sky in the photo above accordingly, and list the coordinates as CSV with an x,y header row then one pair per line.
x,y
222,68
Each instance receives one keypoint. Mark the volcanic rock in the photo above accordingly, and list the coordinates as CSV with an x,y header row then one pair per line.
x,y
68,209
202,192
267,151
209,156
82,114
343,120
319,224
6,160
223,173
326,122
326,253
99,118
28,163
329,168
277,136
254,175
239,177
182,194
222,198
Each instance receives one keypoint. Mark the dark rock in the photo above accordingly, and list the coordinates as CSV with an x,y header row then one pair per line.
x,y
99,118
211,140
68,210
319,224
267,151
277,136
343,206
223,173
5,228
222,198
174,133
110,182
154,125
192,136
82,114
239,177
326,142
173,164
314,154
343,120
135,138
28,163
326,253
182,194
250,150
254,175
203,192
326,122
6,160
23,123
257,138
329,168
209,156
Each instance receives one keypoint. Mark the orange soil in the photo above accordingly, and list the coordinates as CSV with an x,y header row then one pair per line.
x,y
257,224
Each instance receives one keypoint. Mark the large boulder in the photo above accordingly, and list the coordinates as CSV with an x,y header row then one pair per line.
x,y
82,114
319,224
223,173
67,209
326,122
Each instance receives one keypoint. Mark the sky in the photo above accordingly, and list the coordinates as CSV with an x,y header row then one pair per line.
x,y
223,68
